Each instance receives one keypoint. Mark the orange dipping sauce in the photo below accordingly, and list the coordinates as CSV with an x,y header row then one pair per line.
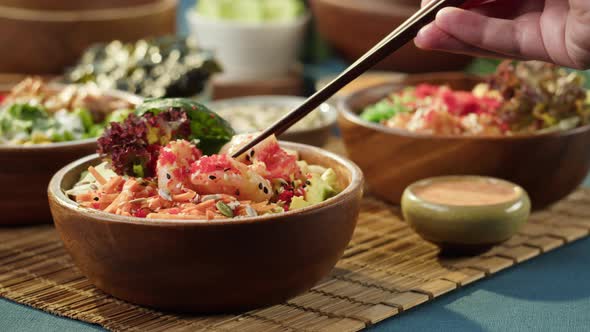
x,y
468,191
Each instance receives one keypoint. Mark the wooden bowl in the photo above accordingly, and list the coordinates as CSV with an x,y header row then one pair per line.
x,y
352,27
209,266
548,166
61,36
25,172
72,4
317,136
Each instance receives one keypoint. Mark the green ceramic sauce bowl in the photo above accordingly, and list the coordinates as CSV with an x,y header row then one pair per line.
x,y
465,226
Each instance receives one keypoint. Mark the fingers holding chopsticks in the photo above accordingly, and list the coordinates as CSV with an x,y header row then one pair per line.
x,y
547,30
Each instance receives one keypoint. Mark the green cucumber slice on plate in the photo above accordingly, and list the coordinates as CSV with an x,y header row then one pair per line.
x,y
256,11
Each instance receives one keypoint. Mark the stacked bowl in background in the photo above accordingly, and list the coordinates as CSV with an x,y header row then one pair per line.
x,y
44,37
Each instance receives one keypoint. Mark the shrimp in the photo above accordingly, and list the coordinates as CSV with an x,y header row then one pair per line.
x,y
221,174
267,158
173,167
236,143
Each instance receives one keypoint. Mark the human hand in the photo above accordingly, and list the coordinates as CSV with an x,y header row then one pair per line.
x,y
555,31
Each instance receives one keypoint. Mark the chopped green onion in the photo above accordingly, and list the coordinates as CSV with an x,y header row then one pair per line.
x,y
224,209
86,117
138,170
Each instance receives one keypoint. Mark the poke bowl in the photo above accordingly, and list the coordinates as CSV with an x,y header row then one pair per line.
x,y
28,160
253,114
548,164
208,263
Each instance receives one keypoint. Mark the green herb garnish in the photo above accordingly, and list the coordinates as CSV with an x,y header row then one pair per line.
x,y
224,209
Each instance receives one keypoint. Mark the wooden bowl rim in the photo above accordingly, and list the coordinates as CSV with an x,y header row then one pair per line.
x,y
124,95
368,7
329,112
58,196
26,14
345,109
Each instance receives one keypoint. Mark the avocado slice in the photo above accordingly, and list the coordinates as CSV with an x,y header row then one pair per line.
x,y
330,177
298,202
318,190
210,129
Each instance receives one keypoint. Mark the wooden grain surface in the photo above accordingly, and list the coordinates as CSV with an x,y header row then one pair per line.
x,y
386,269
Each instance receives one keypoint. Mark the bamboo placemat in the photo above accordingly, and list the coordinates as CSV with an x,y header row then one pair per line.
x,y
385,270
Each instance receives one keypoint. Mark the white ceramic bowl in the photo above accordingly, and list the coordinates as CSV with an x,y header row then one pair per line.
x,y
250,51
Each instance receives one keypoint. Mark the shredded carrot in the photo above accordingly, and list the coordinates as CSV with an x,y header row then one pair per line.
x,y
204,205
170,216
184,197
112,184
130,197
84,197
99,178
115,203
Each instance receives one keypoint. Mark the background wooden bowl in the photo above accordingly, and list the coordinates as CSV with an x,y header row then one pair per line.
x,y
72,4
201,266
547,166
25,172
352,27
47,41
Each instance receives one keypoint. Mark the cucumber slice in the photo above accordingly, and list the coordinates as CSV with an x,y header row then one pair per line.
x,y
210,8
283,10
246,11
255,11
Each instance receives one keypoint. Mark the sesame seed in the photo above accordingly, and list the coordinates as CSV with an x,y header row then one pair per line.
x,y
308,183
265,190
224,209
212,177
209,197
247,157
137,200
96,198
252,153
168,176
250,211
237,192
260,186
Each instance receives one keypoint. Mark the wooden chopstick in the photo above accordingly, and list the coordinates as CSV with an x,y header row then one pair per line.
x,y
404,33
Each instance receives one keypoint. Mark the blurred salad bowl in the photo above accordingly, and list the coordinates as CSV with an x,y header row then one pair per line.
x,y
256,113
30,157
548,164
